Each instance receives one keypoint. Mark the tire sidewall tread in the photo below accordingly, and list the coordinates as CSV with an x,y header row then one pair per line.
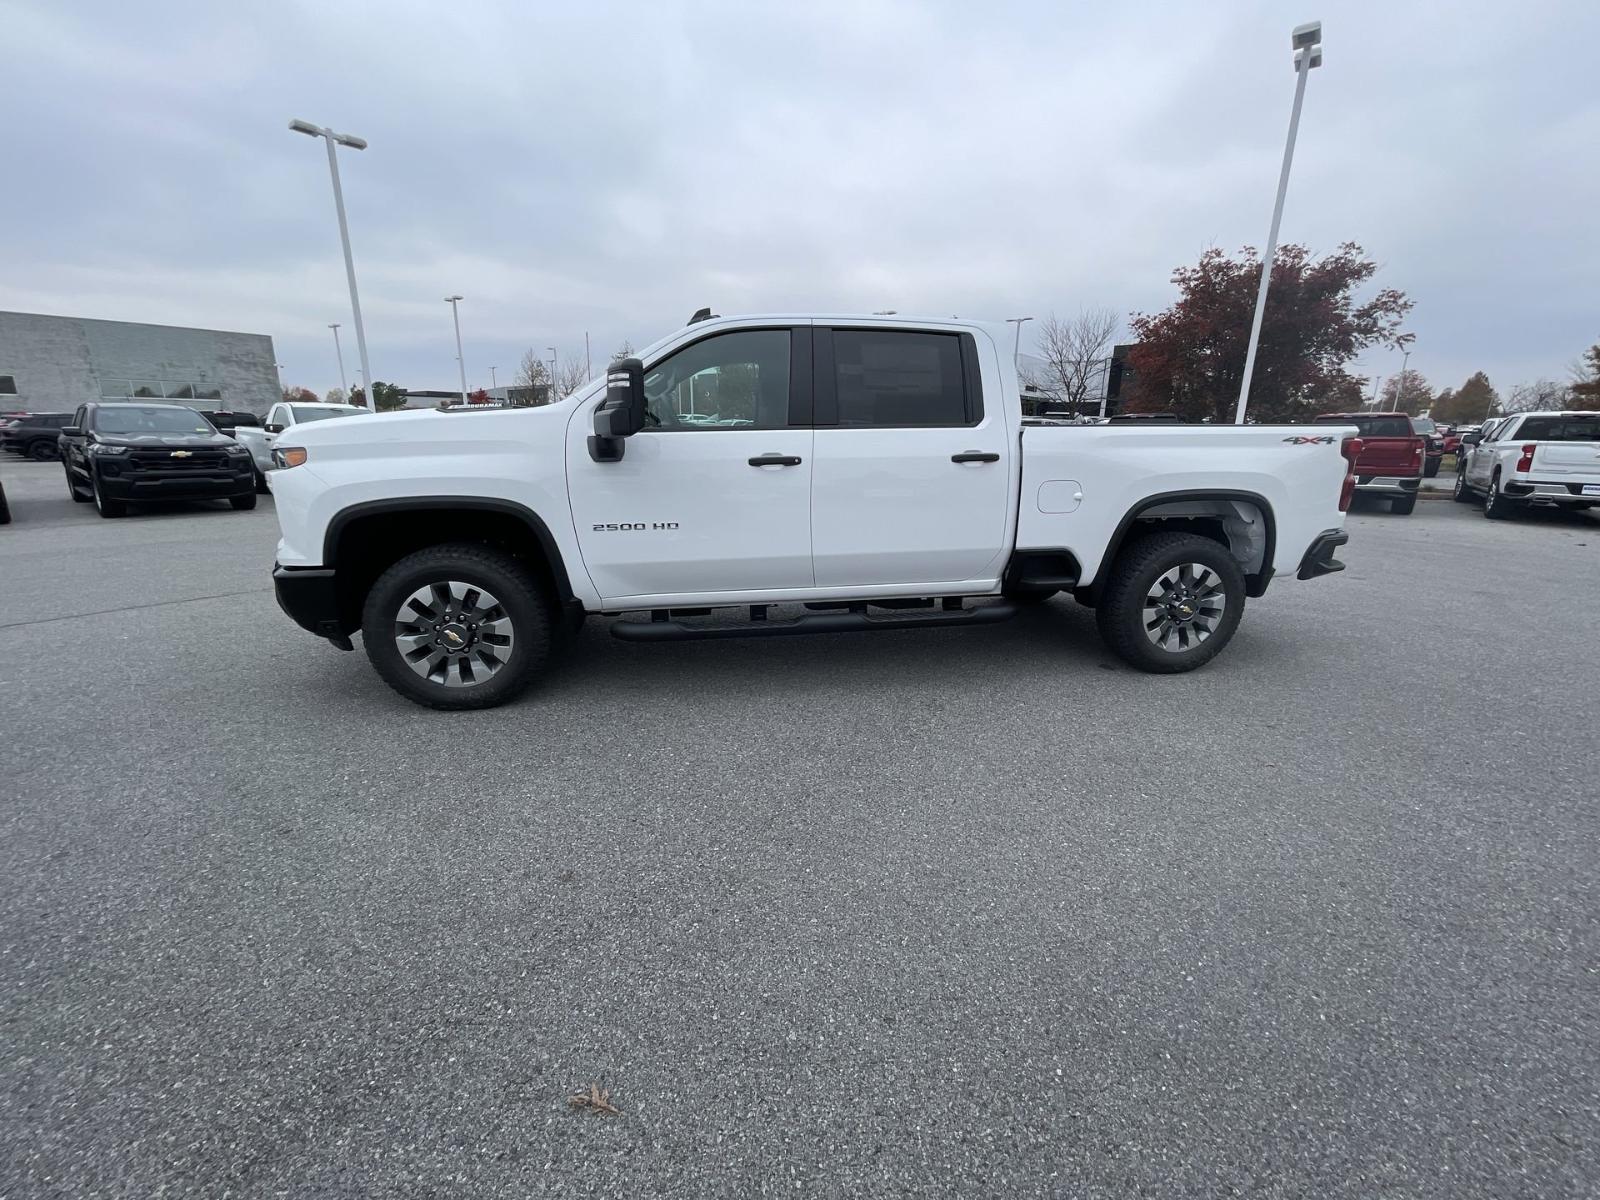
x,y
509,580
1120,612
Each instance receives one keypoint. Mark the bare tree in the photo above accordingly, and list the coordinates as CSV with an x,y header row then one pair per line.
x,y
1074,353
1542,395
571,376
533,380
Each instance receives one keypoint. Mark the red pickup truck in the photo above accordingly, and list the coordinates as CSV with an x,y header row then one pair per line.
x,y
1391,459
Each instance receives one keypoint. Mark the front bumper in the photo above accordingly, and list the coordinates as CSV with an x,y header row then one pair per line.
x,y
200,485
1394,485
310,597
1318,558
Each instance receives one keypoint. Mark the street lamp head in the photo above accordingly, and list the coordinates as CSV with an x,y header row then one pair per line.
x,y
1316,57
305,127
351,140
453,299
1307,35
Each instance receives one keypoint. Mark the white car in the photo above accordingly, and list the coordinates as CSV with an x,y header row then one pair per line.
x,y
1537,458
864,473
280,417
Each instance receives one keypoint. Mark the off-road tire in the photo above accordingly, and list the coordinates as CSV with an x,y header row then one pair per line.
x,y
1402,506
1121,612
243,503
498,573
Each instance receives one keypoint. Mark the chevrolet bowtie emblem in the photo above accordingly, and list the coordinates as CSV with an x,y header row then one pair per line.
x,y
182,453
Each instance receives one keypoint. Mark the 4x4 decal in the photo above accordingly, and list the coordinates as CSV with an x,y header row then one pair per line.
x,y
1297,440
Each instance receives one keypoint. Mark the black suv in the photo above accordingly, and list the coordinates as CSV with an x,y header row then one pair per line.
x,y
115,453
35,434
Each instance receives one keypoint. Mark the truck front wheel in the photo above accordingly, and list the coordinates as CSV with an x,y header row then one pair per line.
x,y
457,626
1172,602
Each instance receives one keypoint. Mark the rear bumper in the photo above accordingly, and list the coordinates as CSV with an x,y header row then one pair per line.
x,y
310,597
1392,484
1318,558
1540,492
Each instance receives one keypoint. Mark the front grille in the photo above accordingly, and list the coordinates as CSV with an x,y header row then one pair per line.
x,y
162,460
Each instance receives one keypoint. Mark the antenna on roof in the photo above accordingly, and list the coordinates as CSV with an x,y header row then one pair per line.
x,y
702,314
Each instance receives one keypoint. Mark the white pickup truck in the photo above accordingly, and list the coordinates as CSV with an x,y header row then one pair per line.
x,y
280,417
805,474
1538,458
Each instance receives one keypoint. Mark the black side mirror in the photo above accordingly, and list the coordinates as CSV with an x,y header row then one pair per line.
x,y
71,431
621,413
272,427
1471,439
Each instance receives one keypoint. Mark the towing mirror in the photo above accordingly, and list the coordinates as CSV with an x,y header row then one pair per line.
x,y
71,431
272,427
621,413
1471,439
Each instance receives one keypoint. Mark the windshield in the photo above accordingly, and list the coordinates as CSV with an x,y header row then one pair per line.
x,y
132,419
1424,425
1561,429
321,412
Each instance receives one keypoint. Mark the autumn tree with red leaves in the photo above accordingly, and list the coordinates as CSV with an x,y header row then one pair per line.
x,y
1189,360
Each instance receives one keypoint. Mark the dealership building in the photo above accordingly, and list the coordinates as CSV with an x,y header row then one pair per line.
x,y
54,364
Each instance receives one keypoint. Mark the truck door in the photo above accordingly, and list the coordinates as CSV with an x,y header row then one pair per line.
x,y
913,468
714,494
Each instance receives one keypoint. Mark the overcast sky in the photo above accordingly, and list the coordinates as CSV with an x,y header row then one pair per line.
x,y
611,168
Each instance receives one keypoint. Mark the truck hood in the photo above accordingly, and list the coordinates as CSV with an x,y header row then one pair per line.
x,y
164,441
421,431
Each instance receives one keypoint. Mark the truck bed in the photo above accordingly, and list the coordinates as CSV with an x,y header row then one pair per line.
x,y
1276,487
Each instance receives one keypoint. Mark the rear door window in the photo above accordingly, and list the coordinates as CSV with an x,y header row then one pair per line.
x,y
886,378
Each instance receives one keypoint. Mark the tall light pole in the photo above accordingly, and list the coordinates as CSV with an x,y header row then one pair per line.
x,y
1307,41
1016,343
492,383
344,384
355,143
588,367
1400,379
461,361
553,396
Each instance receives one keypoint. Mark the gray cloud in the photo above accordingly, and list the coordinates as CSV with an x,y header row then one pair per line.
x,y
612,167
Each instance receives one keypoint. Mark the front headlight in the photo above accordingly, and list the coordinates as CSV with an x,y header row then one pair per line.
x,y
102,448
289,456
237,449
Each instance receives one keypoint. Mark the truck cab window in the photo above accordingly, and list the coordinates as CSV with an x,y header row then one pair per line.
x,y
890,377
730,381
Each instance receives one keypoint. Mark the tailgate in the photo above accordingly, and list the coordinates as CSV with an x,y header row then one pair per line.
x,y
1575,462
1390,456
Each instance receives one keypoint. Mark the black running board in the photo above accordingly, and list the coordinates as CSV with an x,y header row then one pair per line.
x,y
676,631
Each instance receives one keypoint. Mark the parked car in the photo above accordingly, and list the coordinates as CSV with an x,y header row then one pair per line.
x,y
1390,461
280,417
227,420
115,454
1540,458
900,488
1434,452
34,435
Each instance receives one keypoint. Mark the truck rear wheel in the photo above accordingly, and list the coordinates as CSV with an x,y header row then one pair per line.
x,y
1172,602
1496,505
1403,506
457,626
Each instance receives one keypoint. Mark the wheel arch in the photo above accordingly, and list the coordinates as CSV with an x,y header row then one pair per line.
x,y
361,541
1209,524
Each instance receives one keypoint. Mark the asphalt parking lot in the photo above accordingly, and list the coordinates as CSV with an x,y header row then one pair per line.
x,y
965,912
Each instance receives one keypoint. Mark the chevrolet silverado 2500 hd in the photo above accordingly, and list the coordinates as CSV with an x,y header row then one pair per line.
x,y
870,472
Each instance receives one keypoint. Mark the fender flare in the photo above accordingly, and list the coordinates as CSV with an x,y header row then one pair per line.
x,y
1255,584
534,522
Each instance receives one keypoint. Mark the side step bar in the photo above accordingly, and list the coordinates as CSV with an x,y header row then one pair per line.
x,y
845,622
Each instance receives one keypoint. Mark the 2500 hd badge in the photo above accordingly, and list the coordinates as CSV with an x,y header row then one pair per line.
x,y
617,526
